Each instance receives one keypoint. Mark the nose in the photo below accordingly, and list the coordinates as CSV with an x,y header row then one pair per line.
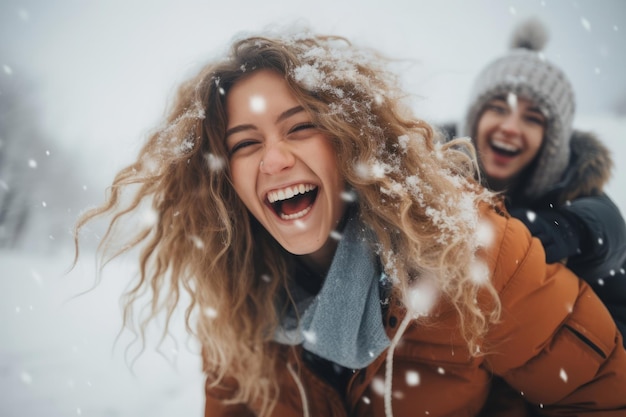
x,y
276,158
511,124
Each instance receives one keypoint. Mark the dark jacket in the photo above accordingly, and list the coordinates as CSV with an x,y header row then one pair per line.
x,y
553,360
578,223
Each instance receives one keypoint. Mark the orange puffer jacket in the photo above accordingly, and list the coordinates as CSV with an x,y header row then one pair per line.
x,y
555,351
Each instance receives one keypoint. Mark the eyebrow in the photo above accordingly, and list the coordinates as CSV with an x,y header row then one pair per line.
x,y
284,115
534,109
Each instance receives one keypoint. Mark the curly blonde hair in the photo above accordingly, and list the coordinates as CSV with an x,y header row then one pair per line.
x,y
415,192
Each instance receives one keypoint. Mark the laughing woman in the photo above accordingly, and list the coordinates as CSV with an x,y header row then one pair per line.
x,y
340,260
553,177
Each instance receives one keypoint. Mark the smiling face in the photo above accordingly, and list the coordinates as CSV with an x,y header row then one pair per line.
x,y
283,168
508,138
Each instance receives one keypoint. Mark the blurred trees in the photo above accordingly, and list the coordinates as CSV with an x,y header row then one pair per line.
x,y
40,190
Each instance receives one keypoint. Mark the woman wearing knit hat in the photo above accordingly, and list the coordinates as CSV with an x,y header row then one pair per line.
x,y
339,260
520,118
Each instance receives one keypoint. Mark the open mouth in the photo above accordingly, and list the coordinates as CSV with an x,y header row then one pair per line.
x,y
504,149
293,202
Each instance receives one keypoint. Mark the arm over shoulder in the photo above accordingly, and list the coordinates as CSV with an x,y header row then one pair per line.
x,y
556,341
603,243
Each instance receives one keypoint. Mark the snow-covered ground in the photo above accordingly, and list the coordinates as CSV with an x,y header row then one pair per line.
x,y
58,355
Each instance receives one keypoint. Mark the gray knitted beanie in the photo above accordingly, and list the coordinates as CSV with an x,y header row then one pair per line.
x,y
525,72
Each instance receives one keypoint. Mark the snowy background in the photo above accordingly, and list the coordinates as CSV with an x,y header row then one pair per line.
x,y
81,84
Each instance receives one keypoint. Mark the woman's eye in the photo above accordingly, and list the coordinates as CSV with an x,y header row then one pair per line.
x,y
536,120
498,108
302,126
240,145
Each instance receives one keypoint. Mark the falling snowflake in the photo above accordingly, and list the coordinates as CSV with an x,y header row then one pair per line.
x,y
197,242
511,100
215,162
258,104
366,400
335,235
378,385
348,196
149,217
310,336
398,395
563,375
32,163
422,297
484,234
585,24
412,378
441,371
479,272
210,312
375,170
23,14
26,378
37,277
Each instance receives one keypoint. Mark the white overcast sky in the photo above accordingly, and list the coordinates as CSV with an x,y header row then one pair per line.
x,y
103,70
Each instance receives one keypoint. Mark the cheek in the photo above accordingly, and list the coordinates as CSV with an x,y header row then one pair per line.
x,y
331,165
535,140
243,180
480,137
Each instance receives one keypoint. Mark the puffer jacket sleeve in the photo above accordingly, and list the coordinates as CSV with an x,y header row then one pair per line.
x,y
556,343
605,240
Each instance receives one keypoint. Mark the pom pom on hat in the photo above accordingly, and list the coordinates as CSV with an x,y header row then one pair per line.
x,y
530,34
525,72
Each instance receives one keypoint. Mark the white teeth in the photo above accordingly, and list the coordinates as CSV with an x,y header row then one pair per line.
x,y
505,146
289,192
297,215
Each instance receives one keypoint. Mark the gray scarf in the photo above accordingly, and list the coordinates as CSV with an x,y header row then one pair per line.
x,y
343,323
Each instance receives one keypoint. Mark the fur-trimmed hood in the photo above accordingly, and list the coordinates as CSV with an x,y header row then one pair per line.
x,y
589,168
